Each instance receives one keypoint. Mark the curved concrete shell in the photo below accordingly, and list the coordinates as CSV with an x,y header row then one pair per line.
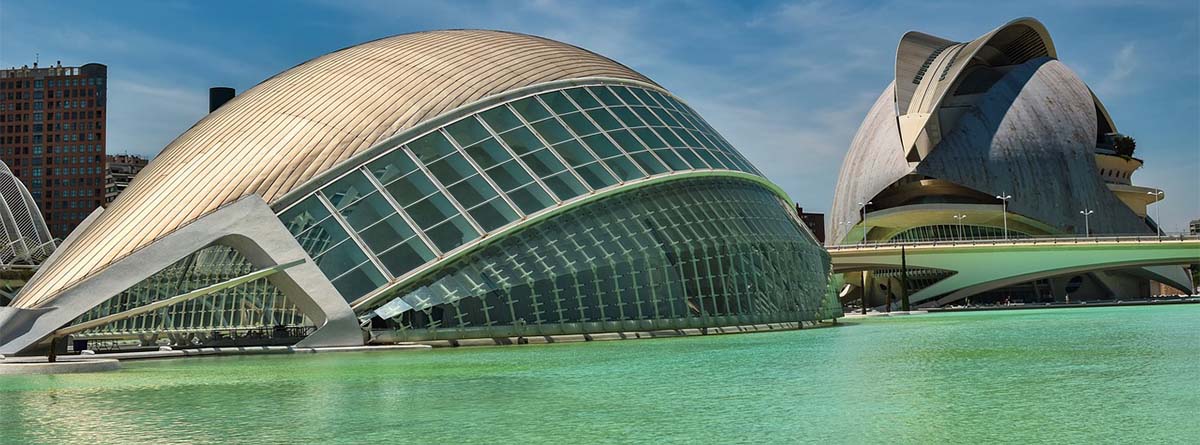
x,y
964,124
446,184
1003,120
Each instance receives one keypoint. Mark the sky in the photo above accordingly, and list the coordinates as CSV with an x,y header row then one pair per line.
x,y
787,83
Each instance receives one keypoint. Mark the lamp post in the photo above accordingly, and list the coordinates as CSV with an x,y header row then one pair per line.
x,y
1087,230
1004,197
1158,194
863,207
960,217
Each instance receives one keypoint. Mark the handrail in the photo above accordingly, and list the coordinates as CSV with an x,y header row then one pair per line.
x,y
1106,239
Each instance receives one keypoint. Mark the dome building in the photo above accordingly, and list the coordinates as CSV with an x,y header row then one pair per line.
x,y
988,139
435,185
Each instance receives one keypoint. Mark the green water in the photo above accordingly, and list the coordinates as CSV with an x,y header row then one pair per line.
x,y
1124,375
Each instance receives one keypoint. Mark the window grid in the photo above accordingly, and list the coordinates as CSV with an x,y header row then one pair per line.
x,y
691,253
481,171
619,118
353,236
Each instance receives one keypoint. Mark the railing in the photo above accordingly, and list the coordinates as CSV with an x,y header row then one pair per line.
x,y
1105,239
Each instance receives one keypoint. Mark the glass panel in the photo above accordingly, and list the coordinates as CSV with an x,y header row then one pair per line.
x,y
605,95
386,233
521,141
451,169
453,233
672,159
367,211
582,98
557,102
467,131
391,166
411,188
647,116
406,257
649,137
708,157
691,158
501,119
574,153
579,124
472,191
626,95
602,146
359,282
304,215
348,189
488,153
530,109
431,147
552,131
493,215
340,259
509,175
531,198
668,136
565,186
596,176
543,163
649,163
665,117
624,168
631,120
605,119
641,94
626,141
431,210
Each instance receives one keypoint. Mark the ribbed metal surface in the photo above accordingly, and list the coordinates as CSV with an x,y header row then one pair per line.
x,y
293,126
24,234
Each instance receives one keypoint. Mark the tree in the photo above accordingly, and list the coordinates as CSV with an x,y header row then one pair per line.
x,y
1124,145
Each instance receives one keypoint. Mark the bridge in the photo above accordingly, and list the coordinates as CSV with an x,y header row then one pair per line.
x,y
977,266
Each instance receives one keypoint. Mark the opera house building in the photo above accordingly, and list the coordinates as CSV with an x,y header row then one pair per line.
x,y
991,138
435,185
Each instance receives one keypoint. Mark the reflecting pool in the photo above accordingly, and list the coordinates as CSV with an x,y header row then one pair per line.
x,y
1067,376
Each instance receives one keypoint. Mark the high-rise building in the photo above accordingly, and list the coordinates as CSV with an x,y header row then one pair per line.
x,y
814,221
1194,227
52,132
120,170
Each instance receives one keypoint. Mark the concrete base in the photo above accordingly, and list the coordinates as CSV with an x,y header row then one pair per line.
x,y
30,367
608,336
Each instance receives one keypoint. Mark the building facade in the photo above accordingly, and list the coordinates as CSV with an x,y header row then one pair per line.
x,y
119,172
53,137
988,139
814,221
436,185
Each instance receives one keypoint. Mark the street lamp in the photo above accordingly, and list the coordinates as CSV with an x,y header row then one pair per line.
x,y
960,217
863,207
1158,194
1087,231
1004,197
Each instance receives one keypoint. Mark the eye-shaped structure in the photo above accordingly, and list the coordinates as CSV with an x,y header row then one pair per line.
x,y
442,184
966,123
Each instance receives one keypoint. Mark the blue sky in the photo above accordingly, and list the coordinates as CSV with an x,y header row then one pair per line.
x,y
786,82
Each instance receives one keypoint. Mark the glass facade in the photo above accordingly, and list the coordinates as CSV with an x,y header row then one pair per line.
x,y
688,253
488,170
255,304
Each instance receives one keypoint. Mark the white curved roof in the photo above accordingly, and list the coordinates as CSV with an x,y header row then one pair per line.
x,y
299,123
23,232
